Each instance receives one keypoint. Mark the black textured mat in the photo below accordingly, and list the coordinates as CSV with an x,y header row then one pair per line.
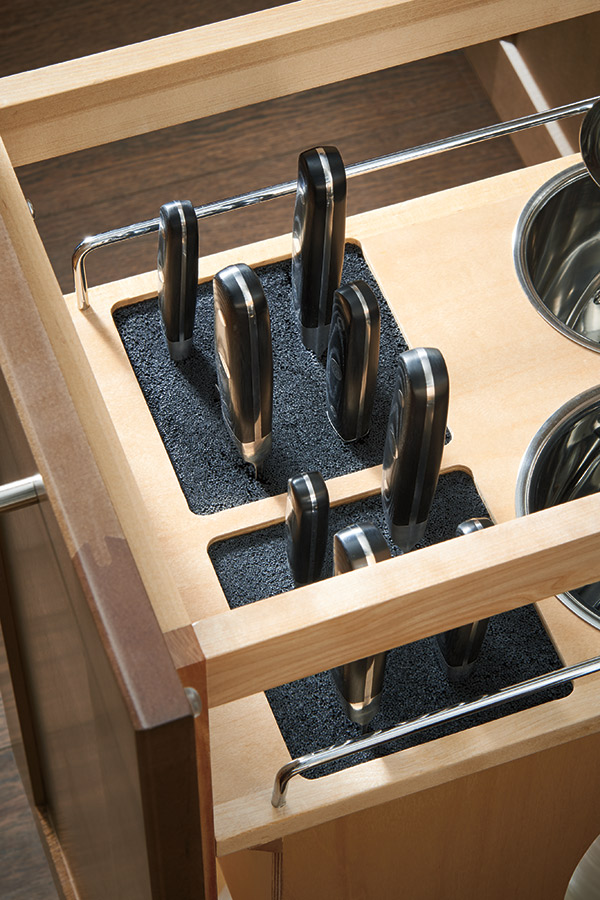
x,y
252,566
184,400
309,715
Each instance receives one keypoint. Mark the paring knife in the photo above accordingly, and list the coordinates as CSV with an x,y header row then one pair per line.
x,y
306,522
244,360
352,360
318,242
177,267
414,444
360,684
459,647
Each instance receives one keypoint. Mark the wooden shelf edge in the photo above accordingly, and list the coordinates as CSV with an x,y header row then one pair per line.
x,y
251,820
283,638
132,90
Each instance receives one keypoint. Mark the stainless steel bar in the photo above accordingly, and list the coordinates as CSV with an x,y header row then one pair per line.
x,y
281,190
319,757
17,494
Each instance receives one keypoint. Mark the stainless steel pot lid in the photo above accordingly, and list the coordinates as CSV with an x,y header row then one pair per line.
x,y
556,250
562,463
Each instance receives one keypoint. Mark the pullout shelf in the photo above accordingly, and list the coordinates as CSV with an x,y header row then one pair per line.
x,y
444,263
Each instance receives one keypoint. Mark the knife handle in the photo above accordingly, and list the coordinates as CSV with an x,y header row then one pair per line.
x,y
359,684
352,360
177,268
414,444
244,360
306,523
318,242
460,647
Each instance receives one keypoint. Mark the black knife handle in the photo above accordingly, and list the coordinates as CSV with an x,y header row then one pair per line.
x,y
306,524
414,444
244,360
359,684
352,360
460,647
358,545
177,267
318,242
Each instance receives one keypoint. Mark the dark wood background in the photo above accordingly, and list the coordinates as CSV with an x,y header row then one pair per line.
x,y
107,187
125,182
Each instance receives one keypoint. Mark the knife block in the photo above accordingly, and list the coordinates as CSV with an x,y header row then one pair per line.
x,y
136,551
185,406
496,406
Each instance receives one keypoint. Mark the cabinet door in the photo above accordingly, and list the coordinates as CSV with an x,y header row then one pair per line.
x,y
103,732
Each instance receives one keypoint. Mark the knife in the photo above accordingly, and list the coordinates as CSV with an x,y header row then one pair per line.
x,y
352,360
177,267
318,242
244,360
414,444
306,522
359,684
459,647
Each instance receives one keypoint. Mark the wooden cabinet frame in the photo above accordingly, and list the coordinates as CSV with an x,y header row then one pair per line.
x,y
115,543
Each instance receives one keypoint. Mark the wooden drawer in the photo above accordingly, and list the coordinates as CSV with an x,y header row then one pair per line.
x,y
455,246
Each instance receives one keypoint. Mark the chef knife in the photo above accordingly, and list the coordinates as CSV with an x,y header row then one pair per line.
x,y
352,360
414,444
177,267
244,360
318,242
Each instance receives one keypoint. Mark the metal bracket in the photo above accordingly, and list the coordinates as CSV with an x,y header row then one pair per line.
x,y
195,701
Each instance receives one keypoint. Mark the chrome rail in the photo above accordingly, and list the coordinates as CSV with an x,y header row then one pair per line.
x,y
273,192
331,754
25,492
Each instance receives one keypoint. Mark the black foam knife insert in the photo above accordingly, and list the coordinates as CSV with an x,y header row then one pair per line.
x,y
308,713
184,400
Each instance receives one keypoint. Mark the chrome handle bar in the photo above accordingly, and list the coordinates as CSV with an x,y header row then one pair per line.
x,y
281,190
331,754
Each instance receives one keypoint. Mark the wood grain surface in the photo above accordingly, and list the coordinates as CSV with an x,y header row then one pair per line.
x,y
500,814
92,563
95,190
107,187
227,65
24,872
68,29
103,188
397,241
4,736
66,571
544,67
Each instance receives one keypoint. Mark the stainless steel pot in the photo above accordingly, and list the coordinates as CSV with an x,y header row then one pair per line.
x,y
557,254
562,463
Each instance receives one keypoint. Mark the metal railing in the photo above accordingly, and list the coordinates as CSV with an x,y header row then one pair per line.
x,y
273,192
514,692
